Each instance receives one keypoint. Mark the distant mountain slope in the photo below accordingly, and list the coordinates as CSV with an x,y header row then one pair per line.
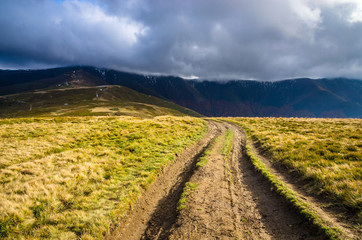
x,y
28,80
289,98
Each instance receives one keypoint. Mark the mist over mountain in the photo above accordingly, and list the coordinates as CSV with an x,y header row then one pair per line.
x,y
304,97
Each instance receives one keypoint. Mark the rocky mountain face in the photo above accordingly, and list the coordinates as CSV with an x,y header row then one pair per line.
x,y
304,97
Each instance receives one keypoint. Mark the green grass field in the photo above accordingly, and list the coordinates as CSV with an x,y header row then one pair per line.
x,y
75,177
328,152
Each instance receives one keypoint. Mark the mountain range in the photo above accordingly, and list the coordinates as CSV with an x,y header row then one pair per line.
x,y
304,97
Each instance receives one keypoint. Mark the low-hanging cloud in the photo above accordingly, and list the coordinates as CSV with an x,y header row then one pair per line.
x,y
233,39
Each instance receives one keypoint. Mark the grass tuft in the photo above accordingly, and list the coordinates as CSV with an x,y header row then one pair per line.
x,y
228,142
189,187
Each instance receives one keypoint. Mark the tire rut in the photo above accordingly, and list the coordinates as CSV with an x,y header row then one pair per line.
x,y
271,215
166,213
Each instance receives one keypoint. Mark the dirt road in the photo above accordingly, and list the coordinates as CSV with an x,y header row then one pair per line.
x,y
230,200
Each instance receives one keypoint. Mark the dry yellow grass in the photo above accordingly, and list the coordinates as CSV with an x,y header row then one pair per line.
x,y
326,151
73,178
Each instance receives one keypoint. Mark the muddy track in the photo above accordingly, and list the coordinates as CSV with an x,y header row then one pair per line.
x,y
231,200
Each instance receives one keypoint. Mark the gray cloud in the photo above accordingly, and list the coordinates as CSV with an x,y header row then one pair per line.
x,y
266,39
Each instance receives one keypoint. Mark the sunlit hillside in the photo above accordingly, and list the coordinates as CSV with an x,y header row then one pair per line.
x,y
105,100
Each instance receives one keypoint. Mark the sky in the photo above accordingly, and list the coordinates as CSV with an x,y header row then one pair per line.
x,y
209,39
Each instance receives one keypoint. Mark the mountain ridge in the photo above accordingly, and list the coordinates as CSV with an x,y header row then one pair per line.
x,y
303,97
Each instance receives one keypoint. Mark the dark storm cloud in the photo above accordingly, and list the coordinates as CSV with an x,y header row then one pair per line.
x,y
266,39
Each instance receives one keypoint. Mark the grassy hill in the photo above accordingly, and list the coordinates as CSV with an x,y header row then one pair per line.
x,y
76,92
104,100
